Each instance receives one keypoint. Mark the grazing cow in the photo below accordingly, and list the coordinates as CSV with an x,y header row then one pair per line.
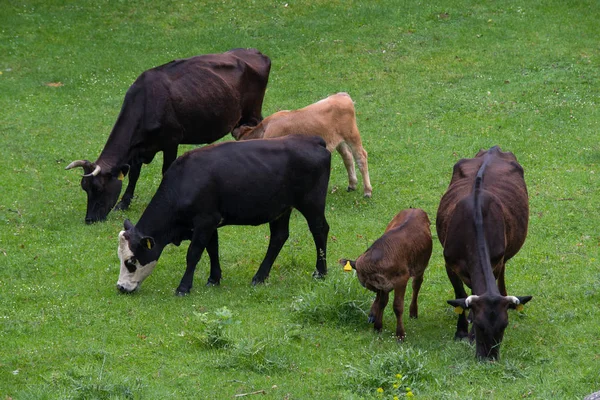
x,y
482,223
401,253
190,101
231,183
332,118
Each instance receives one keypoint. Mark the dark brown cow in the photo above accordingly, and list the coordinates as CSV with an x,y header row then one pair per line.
x,y
482,223
401,253
190,101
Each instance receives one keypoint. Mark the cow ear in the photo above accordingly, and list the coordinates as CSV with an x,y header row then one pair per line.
x,y
122,173
127,225
147,242
459,305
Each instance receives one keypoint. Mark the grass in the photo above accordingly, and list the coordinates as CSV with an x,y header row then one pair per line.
x,y
433,82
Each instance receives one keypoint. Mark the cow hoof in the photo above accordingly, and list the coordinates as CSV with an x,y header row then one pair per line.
x,y
213,282
371,319
401,338
182,292
460,336
258,281
122,206
350,189
319,275
368,195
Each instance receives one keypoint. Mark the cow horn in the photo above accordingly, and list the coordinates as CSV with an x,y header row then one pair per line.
x,y
78,163
469,299
95,172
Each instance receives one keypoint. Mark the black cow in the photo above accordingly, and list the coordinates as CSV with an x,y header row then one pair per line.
x,y
233,183
482,223
190,101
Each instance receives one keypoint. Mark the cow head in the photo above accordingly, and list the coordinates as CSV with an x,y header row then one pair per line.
x,y
137,256
102,188
489,314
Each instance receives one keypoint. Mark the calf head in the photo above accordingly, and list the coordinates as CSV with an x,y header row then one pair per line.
x,y
102,188
136,256
489,314
241,131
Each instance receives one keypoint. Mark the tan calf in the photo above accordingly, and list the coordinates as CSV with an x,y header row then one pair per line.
x,y
332,118
401,253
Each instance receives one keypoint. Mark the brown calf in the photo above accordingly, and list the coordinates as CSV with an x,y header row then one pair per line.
x,y
401,253
332,118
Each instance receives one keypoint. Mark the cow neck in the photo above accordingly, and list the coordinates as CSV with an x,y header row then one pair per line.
x,y
118,148
157,220
482,254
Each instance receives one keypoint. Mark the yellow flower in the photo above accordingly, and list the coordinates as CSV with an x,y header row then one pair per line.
x,y
410,394
398,376
379,390
396,398
395,386
408,389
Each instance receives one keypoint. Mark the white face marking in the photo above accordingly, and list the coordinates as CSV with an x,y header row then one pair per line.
x,y
513,300
130,281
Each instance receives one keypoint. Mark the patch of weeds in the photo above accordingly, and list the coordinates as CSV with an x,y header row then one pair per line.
x,y
212,331
253,355
82,384
395,373
338,300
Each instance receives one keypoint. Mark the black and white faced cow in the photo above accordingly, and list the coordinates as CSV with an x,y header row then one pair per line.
x,y
190,101
482,223
233,183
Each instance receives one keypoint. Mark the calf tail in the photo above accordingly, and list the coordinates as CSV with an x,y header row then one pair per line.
x,y
344,261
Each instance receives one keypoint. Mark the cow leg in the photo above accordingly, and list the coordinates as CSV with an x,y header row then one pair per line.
x,y
501,282
377,309
280,231
169,155
199,241
320,229
416,287
214,278
133,176
348,159
399,292
462,326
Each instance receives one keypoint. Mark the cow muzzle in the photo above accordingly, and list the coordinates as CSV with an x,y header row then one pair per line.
x,y
127,290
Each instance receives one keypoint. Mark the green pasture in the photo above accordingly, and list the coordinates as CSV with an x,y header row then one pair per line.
x,y
433,82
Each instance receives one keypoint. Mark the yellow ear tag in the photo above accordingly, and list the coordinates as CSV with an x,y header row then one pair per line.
x,y
148,244
347,267
519,307
121,176
459,310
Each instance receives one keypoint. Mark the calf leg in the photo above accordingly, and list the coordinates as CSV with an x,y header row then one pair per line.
x,y
348,159
214,278
280,231
133,176
360,155
377,309
399,292
416,286
462,326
